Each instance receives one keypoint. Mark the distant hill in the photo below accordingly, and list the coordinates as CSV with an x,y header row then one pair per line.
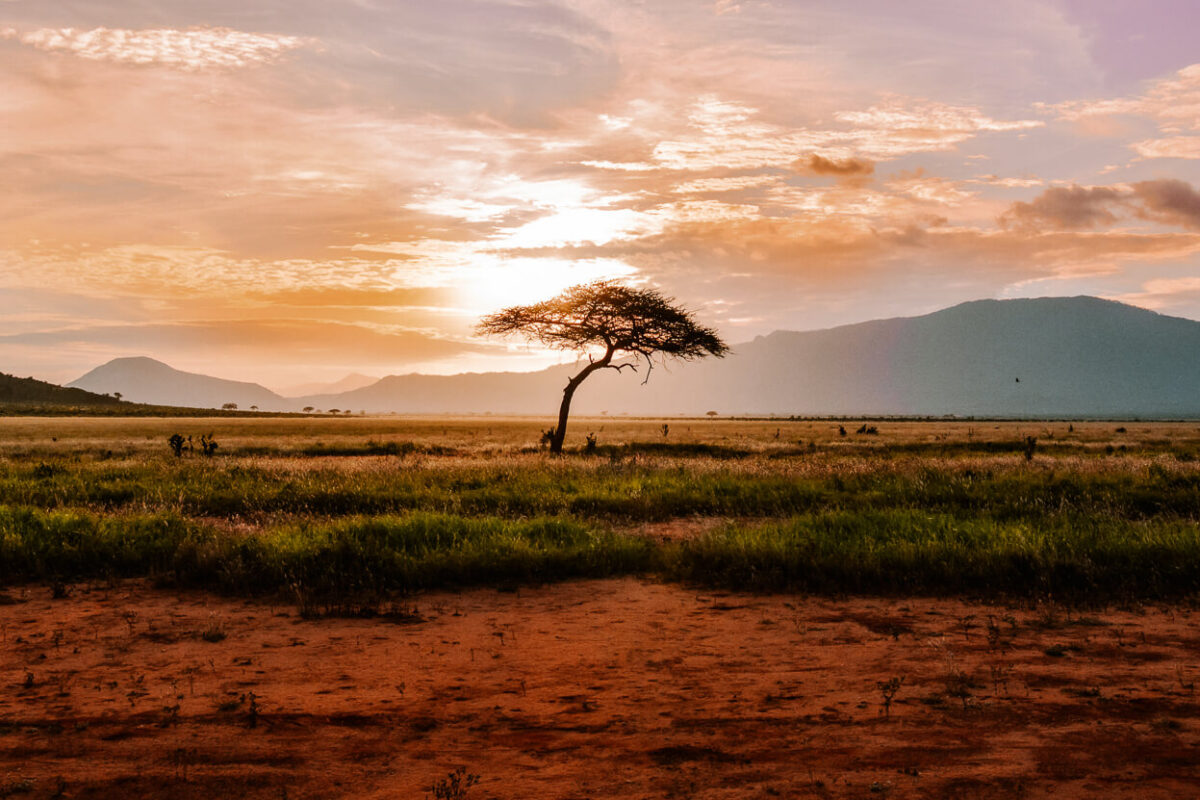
x,y
1077,356
1045,357
472,392
144,380
32,392
354,380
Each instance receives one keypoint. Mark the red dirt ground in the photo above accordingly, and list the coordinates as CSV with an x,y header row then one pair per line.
x,y
600,689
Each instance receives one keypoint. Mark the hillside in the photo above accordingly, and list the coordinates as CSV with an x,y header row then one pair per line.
x,y
144,380
32,392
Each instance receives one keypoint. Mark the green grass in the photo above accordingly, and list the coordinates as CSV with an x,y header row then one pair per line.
x,y
910,552
875,553
593,490
366,505
358,554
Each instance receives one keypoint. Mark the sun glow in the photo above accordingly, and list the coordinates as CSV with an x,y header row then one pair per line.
x,y
516,281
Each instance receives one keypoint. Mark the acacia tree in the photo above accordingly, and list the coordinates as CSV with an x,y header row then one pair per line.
x,y
606,316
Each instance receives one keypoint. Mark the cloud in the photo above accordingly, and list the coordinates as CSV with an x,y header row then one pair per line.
x,y
850,167
1164,293
1172,147
1169,201
1066,208
1176,99
725,134
192,49
925,117
1173,103
1006,183
518,63
336,296
930,189
736,183
296,341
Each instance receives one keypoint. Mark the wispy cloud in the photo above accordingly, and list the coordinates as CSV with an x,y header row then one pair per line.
x,y
729,135
1163,293
191,49
1173,103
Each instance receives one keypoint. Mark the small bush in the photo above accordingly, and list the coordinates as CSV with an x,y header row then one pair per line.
x,y
454,786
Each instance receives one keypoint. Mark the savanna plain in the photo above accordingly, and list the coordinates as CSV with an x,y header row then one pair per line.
x,y
394,607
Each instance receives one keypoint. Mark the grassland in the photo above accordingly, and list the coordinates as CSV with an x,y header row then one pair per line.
x,y
1086,511
367,607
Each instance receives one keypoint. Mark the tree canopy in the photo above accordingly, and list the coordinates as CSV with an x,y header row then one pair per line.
x,y
620,319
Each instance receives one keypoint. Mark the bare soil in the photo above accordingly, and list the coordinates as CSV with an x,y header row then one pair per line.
x,y
599,689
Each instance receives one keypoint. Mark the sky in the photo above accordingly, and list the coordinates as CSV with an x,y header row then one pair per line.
x,y
287,191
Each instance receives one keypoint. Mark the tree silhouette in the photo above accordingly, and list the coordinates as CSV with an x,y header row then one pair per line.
x,y
620,320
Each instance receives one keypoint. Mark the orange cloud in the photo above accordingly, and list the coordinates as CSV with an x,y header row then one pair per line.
x,y
849,168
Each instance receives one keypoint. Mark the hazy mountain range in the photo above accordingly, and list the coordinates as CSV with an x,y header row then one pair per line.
x,y
355,380
1077,356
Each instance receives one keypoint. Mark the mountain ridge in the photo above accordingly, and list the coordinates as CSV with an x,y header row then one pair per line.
x,y
147,380
31,391
1077,356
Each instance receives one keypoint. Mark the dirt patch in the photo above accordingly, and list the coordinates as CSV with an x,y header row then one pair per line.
x,y
587,690
680,529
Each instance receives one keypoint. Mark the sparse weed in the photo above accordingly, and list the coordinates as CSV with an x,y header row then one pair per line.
x,y
454,786
888,690
1000,672
16,787
214,632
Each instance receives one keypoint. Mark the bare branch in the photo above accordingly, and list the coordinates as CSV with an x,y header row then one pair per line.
x,y
618,367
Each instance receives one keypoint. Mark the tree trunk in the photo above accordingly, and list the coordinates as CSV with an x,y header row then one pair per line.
x,y
560,432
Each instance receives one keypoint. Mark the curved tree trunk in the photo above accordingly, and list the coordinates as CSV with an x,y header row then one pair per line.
x,y
564,409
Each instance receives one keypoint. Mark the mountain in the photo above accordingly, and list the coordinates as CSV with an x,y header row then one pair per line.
x,y
1076,357
355,380
144,380
32,392
471,392
1045,357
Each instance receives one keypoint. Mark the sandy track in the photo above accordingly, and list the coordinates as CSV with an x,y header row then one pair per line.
x,y
595,689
